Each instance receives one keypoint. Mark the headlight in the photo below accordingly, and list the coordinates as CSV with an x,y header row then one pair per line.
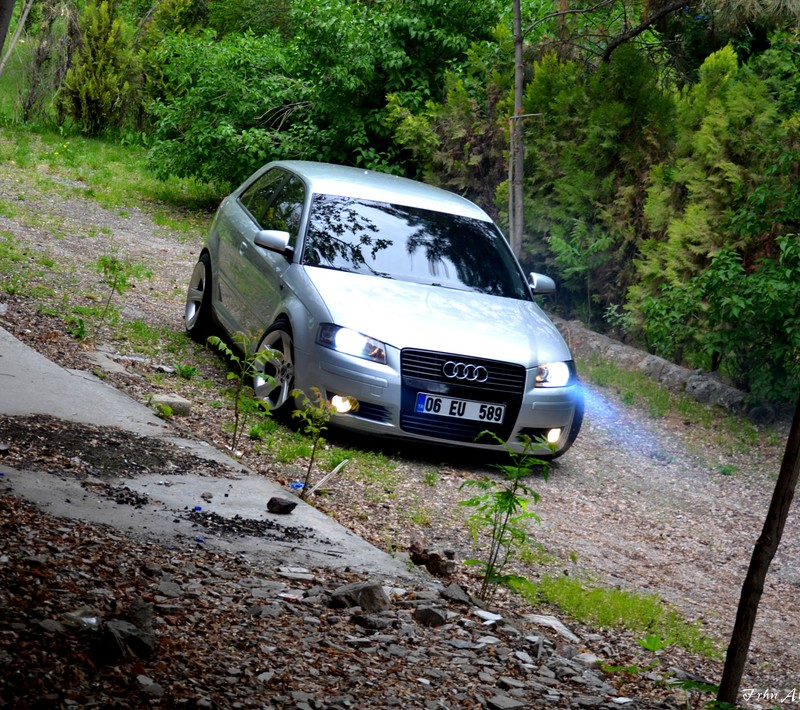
x,y
351,342
555,374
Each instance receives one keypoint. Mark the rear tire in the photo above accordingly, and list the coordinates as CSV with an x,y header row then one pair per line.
x,y
197,316
273,381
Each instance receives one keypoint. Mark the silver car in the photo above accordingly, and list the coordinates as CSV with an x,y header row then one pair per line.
x,y
390,293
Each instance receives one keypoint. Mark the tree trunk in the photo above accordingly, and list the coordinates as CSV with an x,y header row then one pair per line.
x,y
6,13
763,553
4,29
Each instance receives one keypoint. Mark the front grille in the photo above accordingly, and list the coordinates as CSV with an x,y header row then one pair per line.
x,y
428,366
423,371
373,412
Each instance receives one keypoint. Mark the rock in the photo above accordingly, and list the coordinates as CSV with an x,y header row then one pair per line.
x,y
150,569
487,616
371,597
552,623
587,659
180,407
371,621
439,564
170,589
53,625
121,639
149,687
430,616
455,593
504,702
281,506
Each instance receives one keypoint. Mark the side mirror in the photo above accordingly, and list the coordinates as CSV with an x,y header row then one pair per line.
x,y
272,239
541,285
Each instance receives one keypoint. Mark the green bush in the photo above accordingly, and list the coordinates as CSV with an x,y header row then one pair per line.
x,y
745,324
231,107
97,87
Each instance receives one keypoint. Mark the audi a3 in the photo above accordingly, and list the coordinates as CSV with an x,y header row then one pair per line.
x,y
401,303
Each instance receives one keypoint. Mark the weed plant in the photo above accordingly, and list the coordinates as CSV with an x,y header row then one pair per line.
x,y
244,363
503,513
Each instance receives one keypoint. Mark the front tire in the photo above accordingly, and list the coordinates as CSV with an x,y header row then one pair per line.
x,y
273,380
197,316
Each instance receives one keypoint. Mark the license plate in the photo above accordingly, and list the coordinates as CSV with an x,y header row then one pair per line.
x,y
459,408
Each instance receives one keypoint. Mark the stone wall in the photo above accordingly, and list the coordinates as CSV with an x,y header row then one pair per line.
x,y
700,385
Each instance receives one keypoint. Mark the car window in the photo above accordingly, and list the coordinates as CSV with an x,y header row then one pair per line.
x,y
411,244
258,197
286,210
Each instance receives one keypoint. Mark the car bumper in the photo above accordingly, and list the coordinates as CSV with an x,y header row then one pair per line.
x,y
388,397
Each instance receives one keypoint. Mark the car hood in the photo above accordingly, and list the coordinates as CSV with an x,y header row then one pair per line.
x,y
411,315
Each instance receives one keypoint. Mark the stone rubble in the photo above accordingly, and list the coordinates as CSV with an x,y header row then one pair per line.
x,y
91,618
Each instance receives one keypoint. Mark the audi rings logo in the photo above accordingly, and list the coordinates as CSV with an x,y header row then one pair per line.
x,y
464,371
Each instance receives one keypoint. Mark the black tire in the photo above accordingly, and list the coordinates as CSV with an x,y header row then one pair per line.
x,y
197,316
273,381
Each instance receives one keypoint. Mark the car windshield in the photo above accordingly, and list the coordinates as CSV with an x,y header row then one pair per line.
x,y
411,244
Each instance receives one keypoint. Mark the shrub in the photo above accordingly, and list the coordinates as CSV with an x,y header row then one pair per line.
x,y
97,87
745,324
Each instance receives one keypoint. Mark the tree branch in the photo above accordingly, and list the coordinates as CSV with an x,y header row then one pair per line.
x,y
561,13
630,34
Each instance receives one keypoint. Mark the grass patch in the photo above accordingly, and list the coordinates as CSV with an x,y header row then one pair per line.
x,y
7,208
616,608
420,515
150,340
114,175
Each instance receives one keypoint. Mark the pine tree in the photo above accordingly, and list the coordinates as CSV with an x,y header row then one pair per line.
x,y
97,87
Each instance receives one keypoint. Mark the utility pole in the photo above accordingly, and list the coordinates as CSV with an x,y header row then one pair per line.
x,y
516,157
516,169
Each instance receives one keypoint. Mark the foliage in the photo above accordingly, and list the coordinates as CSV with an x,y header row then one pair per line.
x,y
315,416
779,68
586,160
117,274
728,319
503,513
728,133
46,63
619,608
250,16
692,35
232,108
97,87
229,105
460,142
244,363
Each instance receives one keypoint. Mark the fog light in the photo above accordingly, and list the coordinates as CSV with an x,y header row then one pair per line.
x,y
553,436
344,404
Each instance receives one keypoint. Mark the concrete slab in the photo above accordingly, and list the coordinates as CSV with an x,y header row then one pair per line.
x,y
33,385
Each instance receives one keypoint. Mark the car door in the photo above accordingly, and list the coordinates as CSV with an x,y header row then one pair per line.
x,y
263,270
235,227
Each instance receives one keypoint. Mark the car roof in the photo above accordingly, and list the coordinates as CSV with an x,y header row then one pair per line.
x,y
329,179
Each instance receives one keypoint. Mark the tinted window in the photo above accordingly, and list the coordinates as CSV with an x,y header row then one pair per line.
x,y
258,197
412,245
286,210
